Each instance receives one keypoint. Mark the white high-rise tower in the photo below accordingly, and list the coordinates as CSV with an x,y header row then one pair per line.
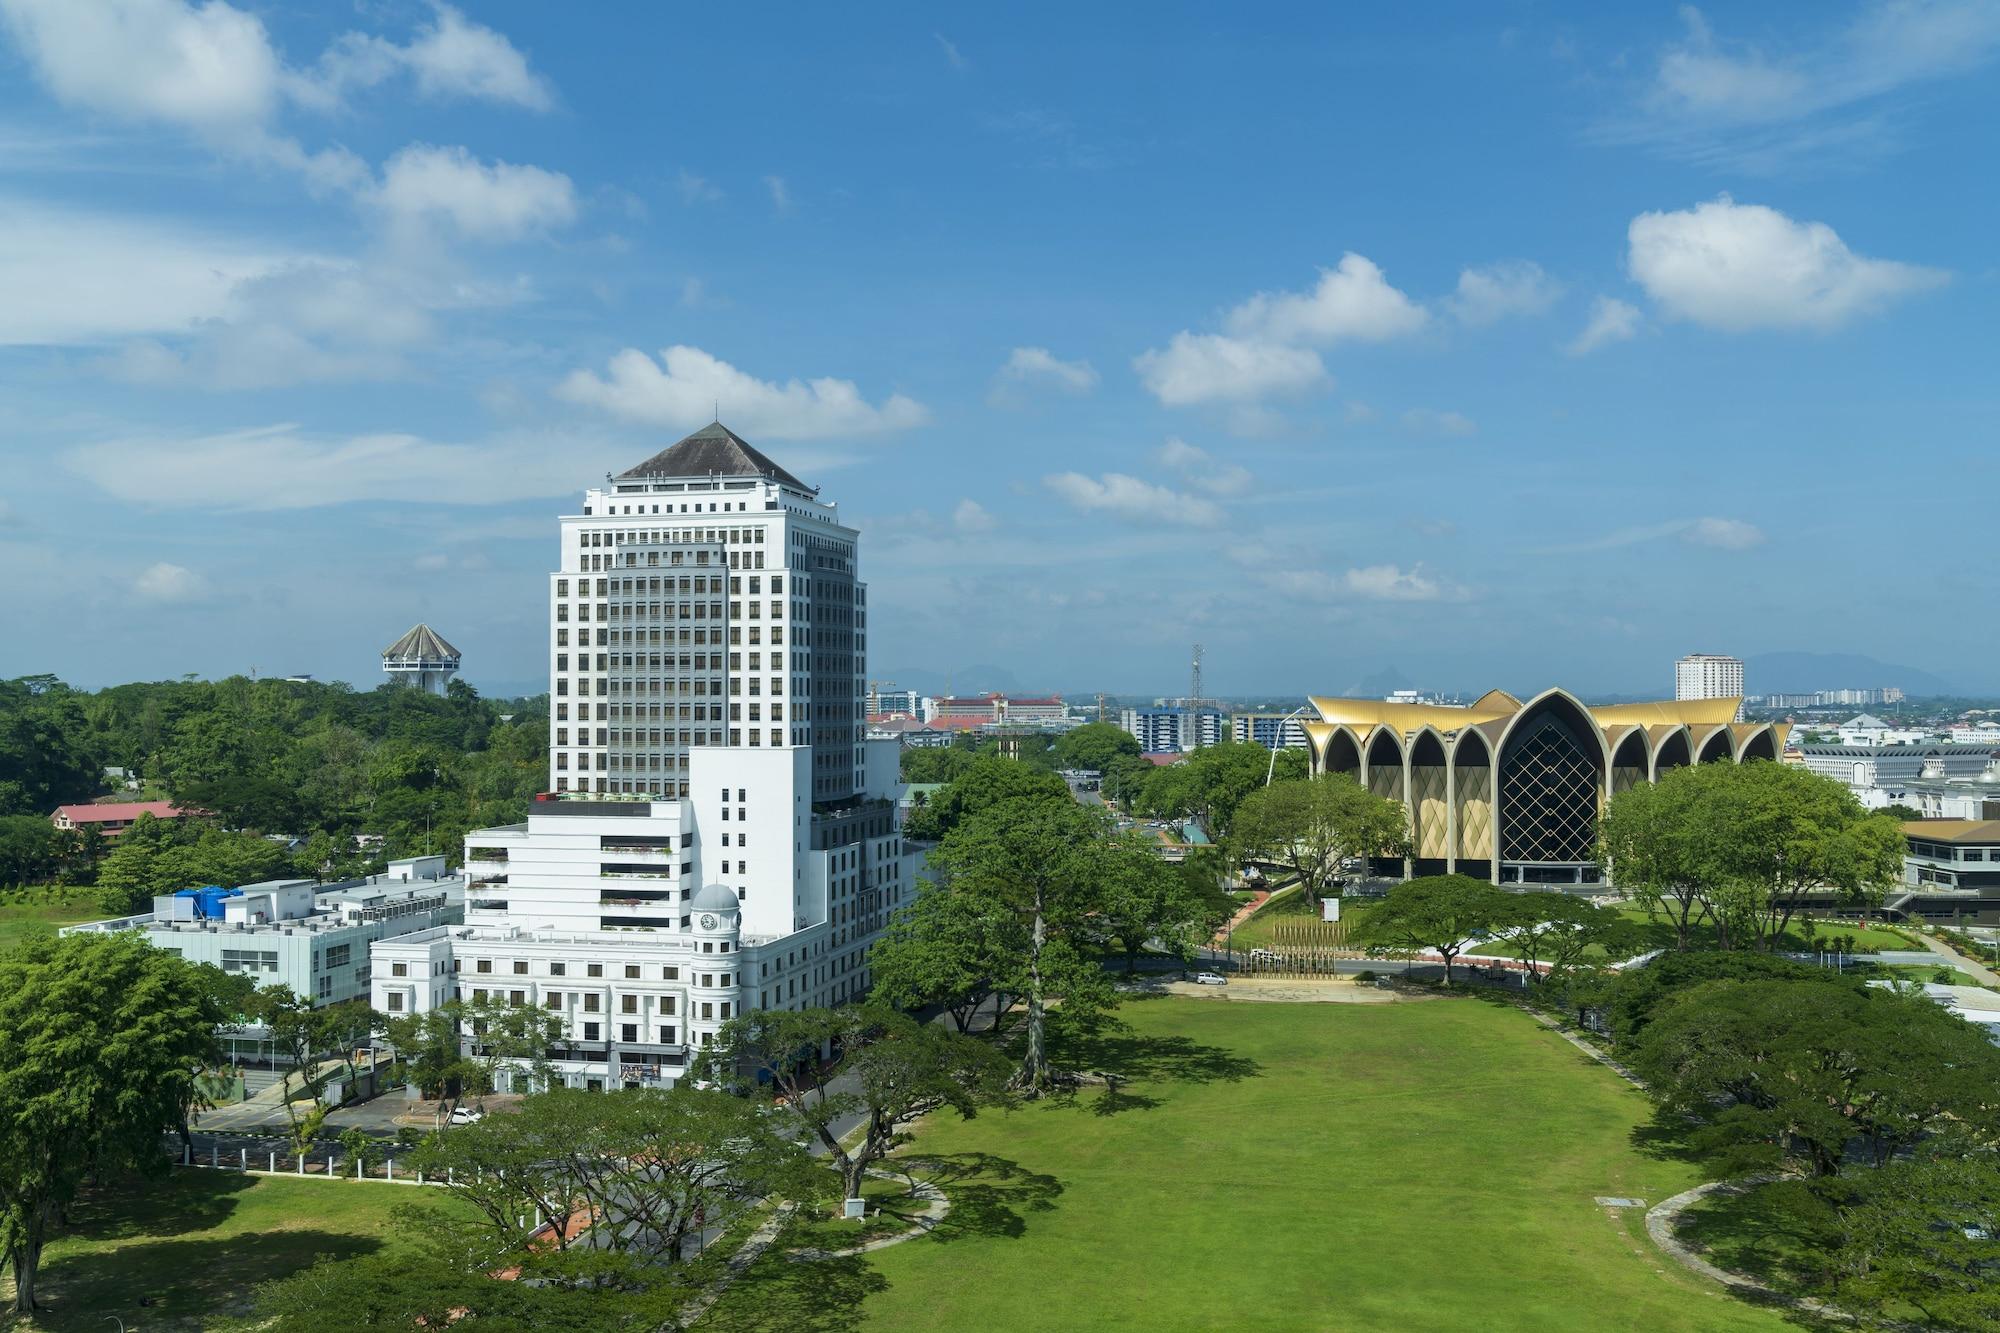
x,y
1708,676
718,834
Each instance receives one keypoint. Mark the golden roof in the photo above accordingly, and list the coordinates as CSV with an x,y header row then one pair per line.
x,y
1954,830
1365,714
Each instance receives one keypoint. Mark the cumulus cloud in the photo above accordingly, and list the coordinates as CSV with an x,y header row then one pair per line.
x,y
684,385
1029,368
1195,465
1130,498
451,56
1209,367
1375,583
1351,301
1611,321
1744,266
1500,291
1271,340
971,518
424,185
168,583
1430,421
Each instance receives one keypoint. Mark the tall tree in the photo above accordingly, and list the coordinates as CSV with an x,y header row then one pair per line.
x,y
101,1036
944,949
1094,746
893,1070
1559,929
1435,913
1041,867
1148,901
986,783
1311,826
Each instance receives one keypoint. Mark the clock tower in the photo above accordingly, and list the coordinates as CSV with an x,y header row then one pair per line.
x,y
715,982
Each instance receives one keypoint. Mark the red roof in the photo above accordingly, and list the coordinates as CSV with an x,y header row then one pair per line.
x,y
119,812
1163,758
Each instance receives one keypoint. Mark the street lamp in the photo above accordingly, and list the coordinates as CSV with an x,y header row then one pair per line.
x,y
1278,743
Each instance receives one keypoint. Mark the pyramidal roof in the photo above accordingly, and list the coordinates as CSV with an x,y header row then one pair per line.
x,y
714,450
421,641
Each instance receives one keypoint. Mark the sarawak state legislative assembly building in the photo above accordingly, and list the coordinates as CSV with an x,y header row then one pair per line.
x,y
1511,791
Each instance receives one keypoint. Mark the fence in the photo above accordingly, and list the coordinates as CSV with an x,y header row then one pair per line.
x,y
322,1163
1300,948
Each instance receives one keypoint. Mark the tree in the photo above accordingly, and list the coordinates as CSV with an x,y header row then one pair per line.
x,y
1040,867
430,1047
32,850
895,1068
1637,994
1146,900
307,1033
45,758
1742,845
1560,928
507,1035
986,782
100,1037
934,763
1788,1073
943,949
1311,826
1434,913
1094,746
1926,1233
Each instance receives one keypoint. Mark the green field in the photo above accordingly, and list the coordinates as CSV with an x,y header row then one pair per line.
x,y
1658,933
20,921
1432,1164
195,1243
1286,907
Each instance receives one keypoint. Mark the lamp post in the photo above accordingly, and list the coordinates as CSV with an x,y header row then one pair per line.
x,y
1278,743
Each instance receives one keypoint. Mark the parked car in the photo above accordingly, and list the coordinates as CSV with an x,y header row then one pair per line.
x,y
1210,979
465,1115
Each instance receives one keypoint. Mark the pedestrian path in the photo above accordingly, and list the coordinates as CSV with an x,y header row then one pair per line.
x,y
1979,972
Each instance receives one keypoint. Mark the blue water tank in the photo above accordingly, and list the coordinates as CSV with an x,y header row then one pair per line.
x,y
208,900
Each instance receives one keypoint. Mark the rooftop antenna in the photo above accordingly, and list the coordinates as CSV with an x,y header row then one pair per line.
x,y
1194,681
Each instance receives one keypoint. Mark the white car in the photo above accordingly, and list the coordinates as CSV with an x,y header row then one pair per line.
x,y
1210,979
465,1115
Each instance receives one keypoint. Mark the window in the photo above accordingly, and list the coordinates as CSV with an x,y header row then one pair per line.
x,y
628,1004
707,1009
666,1004
553,1000
594,969
629,1032
395,1002
632,971
520,967
399,969
590,1002
666,1036
558,969
517,997
590,1031
483,965
670,974
339,956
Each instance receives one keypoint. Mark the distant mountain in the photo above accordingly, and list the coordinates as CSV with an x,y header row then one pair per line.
x,y
1799,673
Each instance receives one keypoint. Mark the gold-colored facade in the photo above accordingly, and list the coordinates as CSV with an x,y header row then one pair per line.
x,y
1511,790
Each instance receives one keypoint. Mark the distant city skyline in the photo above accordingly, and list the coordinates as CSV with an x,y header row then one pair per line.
x,y
1533,345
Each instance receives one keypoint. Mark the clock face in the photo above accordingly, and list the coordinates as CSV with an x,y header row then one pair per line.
x,y
707,921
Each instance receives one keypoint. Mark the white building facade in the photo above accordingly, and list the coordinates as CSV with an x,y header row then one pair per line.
x,y
719,834
1174,730
1709,676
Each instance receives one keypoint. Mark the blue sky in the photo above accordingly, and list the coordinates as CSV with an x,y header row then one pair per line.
x,y
1523,344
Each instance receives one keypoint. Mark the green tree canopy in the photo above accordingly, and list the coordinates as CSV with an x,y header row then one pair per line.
x,y
1094,746
1435,913
987,782
1311,826
101,1037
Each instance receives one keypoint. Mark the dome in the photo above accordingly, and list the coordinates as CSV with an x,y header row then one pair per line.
x,y
715,898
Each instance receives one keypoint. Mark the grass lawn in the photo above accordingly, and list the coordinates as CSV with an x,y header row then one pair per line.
x,y
1271,1166
197,1242
1658,933
20,921
1286,907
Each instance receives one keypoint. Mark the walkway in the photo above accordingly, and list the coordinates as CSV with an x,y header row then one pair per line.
x,y
936,1205
1979,972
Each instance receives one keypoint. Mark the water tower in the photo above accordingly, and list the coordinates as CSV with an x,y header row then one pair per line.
x,y
421,658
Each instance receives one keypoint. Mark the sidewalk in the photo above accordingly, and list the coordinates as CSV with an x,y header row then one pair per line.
x,y
1979,972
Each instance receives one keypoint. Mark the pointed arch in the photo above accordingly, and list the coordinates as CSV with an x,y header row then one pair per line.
x,y
1383,770
1342,754
1549,781
1673,747
1472,803
1430,802
1761,743
1715,747
1631,761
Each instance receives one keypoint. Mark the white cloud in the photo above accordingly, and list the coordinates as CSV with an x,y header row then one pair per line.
x,y
952,55
781,194
1130,498
1498,291
1357,412
210,69
450,57
423,184
1029,368
1714,100
1430,421
163,582
1744,266
1388,583
1351,301
1209,367
685,385
698,189
1729,534
1195,465
971,518
1611,320
71,277
281,468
